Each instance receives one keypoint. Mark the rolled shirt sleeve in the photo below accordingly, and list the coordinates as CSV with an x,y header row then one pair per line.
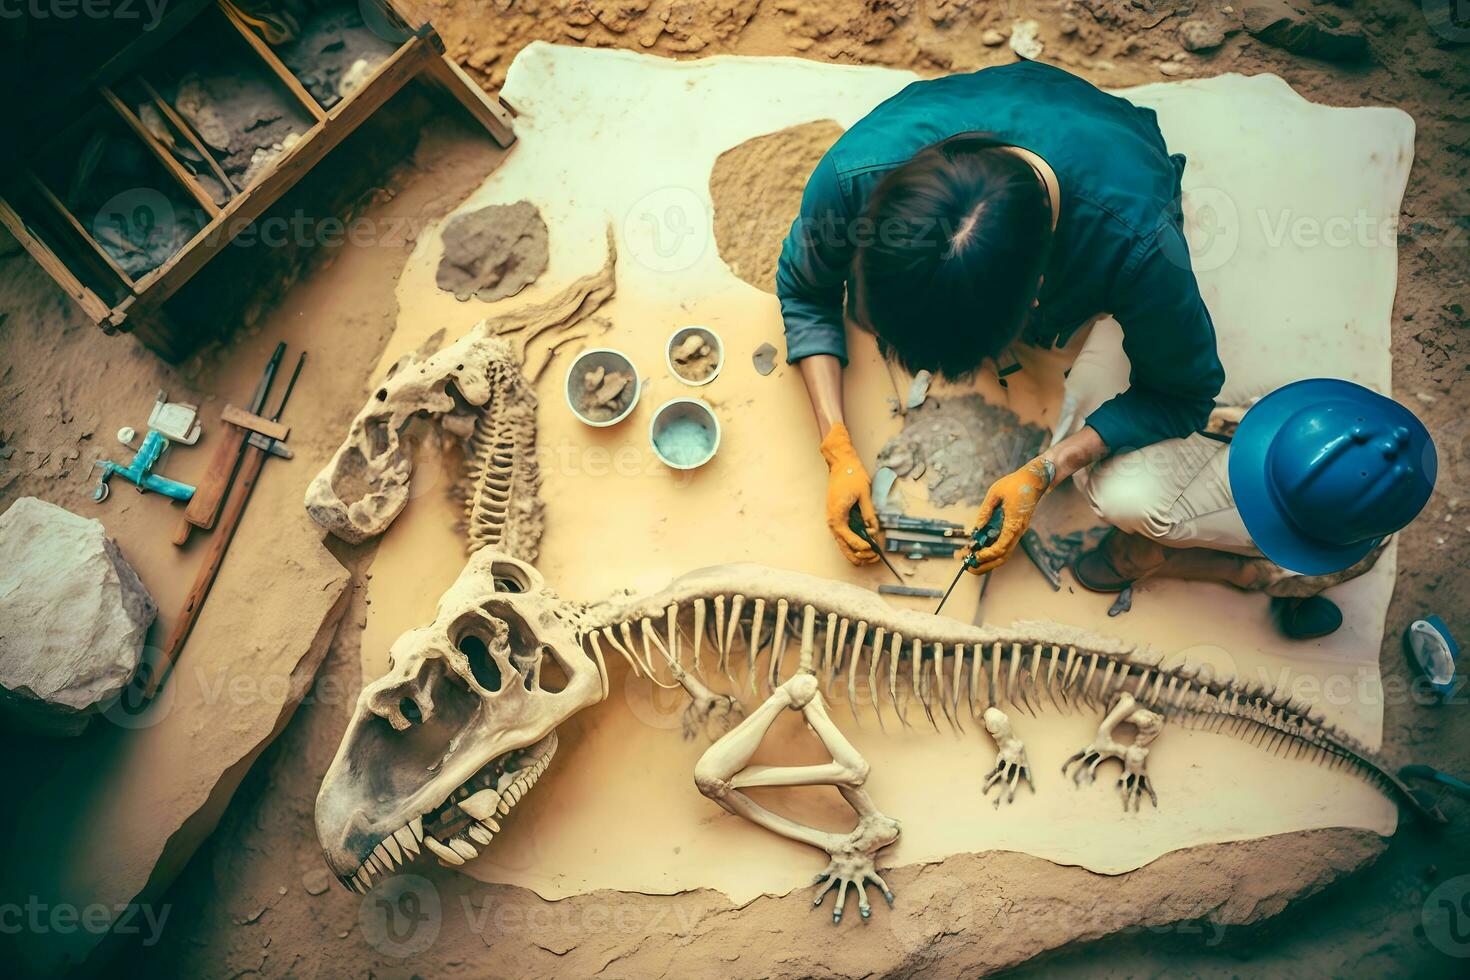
x,y
812,272
1175,371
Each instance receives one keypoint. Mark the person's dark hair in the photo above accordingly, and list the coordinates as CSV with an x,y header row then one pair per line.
x,y
956,242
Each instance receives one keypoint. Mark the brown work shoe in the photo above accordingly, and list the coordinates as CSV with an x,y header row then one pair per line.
x,y
1117,562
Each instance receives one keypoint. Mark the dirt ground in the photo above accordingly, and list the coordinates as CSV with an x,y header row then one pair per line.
x,y
245,905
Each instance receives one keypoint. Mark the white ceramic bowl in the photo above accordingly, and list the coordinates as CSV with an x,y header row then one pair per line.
x,y
717,347
684,410
609,360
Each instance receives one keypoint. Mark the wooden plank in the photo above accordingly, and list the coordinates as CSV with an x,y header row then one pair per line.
x,y
392,75
486,108
385,81
263,50
214,557
89,301
255,423
164,156
65,212
180,124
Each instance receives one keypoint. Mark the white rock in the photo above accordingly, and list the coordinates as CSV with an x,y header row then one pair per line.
x,y
73,618
1025,40
992,38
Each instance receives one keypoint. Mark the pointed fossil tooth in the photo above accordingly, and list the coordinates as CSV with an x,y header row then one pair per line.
x,y
373,866
417,826
503,807
464,848
443,852
393,849
491,823
364,877
482,804
385,860
405,837
479,834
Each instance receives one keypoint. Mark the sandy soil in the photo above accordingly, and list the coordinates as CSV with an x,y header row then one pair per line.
x,y
245,902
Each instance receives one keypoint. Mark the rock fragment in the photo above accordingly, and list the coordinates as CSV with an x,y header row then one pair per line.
x,y
73,618
1197,34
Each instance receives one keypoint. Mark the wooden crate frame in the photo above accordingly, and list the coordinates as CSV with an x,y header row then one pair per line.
x,y
140,308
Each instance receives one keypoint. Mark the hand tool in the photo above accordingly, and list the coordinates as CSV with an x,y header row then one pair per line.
x,y
250,467
1457,786
918,591
1036,551
982,537
168,420
140,471
926,525
855,521
205,505
918,538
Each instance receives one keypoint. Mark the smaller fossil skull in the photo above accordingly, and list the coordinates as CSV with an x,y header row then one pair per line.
x,y
441,747
366,483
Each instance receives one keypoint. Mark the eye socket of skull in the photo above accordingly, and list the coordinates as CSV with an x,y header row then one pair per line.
x,y
487,647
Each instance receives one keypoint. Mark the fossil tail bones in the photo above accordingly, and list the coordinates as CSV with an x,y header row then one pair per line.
x,y
443,747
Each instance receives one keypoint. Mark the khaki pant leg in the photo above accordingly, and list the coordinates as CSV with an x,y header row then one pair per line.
x,y
1176,492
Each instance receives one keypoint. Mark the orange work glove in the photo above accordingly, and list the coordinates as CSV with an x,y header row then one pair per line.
x,y
1017,495
848,484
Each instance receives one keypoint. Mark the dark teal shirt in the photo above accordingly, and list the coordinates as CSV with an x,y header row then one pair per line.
x,y
1118,248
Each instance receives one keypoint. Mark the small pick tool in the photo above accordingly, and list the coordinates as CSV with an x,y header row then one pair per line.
x,y
855,521
982,537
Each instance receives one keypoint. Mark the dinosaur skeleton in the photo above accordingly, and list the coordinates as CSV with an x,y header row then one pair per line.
x,y
442,747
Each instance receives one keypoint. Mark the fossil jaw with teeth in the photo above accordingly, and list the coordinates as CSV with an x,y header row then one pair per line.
x,y
469,708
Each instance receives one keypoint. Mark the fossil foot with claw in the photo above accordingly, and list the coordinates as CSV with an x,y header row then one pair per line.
x,y
852,865
1010,768
1010,762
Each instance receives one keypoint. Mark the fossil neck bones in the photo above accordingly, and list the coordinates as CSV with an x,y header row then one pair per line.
x,y
475,391
441,748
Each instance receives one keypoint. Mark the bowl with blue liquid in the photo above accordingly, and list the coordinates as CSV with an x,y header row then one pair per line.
x,y
685,433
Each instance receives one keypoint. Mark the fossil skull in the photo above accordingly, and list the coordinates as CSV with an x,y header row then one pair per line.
x,y
441,747
366,484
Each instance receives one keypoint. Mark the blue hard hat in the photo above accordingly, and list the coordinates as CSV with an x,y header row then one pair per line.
x,y
1324,469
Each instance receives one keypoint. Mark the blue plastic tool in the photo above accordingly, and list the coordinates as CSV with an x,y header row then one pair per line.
x,y
140,471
